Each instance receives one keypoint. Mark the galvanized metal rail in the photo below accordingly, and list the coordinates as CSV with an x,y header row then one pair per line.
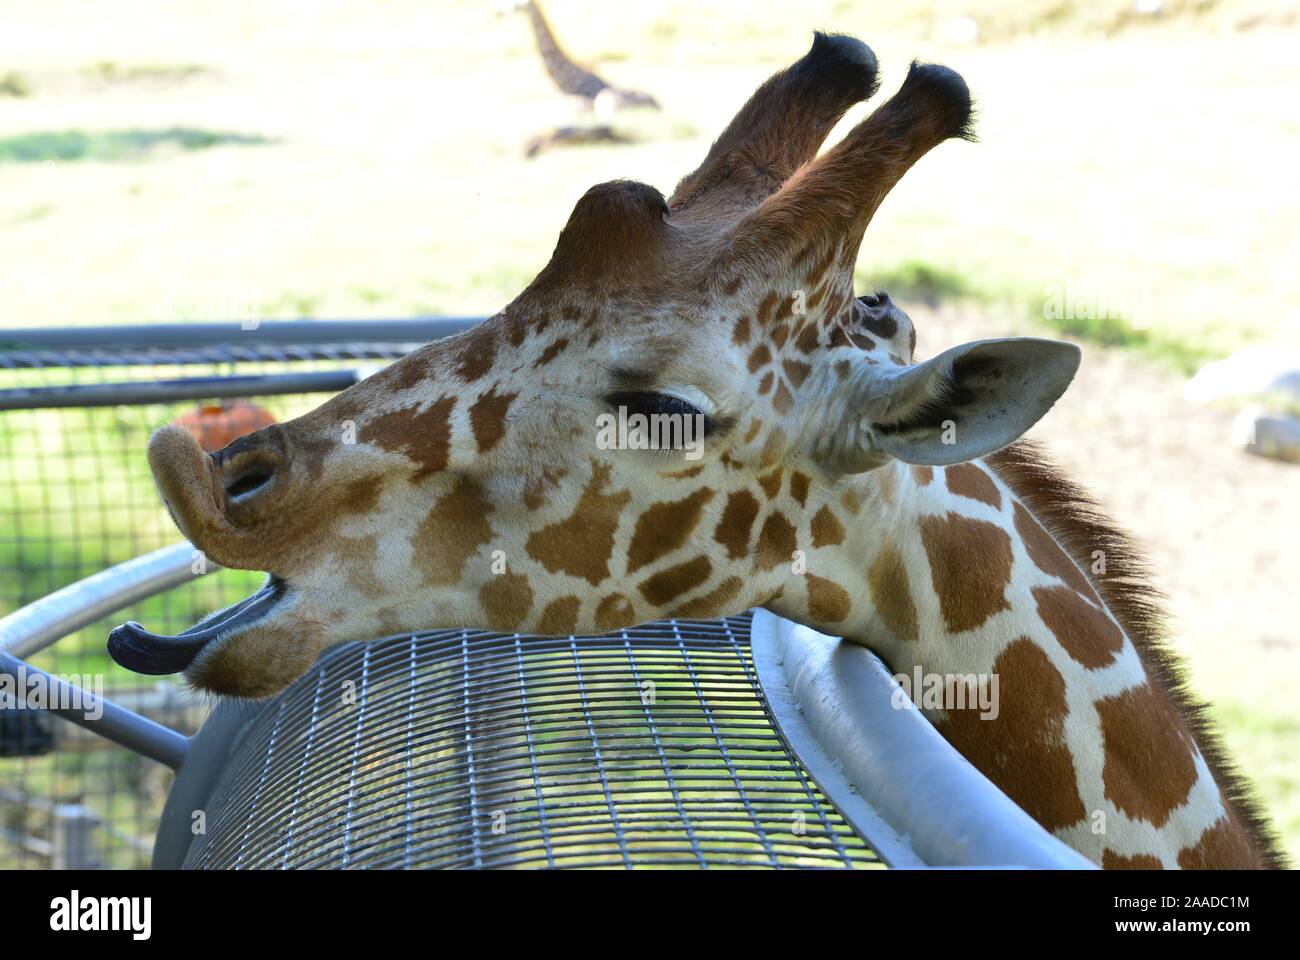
x,y
32,628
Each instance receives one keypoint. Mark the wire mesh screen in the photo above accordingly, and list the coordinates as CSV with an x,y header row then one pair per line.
x,y
650,747
76,496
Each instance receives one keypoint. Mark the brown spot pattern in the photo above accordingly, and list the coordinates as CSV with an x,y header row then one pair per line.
x,y
422,435
452,532
474,358
771,482
1220,847
1149,770
712,604
773,447
782,400
581,545
735,523
808,339
1086,633
487,418
968,480
361,496
776,542
892,594
828,602
615,611
517,330
923,475
664,527
535,488
506,600
862,341
827,531
551,352
673,581
970,567
1048,556
685,474
1110,860
799,487
1022,750
560,616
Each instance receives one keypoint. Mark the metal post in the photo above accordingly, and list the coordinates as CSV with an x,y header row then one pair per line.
x,y
74,842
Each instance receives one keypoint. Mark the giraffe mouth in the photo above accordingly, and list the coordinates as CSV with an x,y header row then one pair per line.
x,y
156,654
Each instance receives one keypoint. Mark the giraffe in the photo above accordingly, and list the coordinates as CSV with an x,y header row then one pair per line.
x,y
838,481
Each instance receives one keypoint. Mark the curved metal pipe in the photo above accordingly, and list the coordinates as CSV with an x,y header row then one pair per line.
x,y
96,713
34,627
887,770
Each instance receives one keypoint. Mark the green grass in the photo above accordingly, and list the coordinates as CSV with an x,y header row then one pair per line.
x,y
916,281
66,146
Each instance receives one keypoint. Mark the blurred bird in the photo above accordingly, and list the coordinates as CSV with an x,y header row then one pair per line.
x,y
592,92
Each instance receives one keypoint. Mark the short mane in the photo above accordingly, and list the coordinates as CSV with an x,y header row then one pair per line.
x,y
1075,519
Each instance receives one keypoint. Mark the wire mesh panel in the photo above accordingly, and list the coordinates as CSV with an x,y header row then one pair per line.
x,y
76,496
649,747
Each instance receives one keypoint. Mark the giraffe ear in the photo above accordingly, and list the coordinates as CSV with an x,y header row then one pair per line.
x,y
969,401
965,403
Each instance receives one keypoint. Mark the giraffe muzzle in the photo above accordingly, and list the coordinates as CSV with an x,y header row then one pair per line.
x,y
223,501
217,500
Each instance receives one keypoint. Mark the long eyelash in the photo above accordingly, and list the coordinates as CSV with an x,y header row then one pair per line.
x,y
650,404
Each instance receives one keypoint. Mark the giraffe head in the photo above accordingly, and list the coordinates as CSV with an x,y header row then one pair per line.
x,y
487,479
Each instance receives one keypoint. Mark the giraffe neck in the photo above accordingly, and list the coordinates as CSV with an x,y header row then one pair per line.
x,y
566,74
1033,663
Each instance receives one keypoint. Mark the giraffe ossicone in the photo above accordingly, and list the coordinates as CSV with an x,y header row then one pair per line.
x,y
840,484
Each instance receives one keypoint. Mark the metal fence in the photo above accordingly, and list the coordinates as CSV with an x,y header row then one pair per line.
x,y
76,496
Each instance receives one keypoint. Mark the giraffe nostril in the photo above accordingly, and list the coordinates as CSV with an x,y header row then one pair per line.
x,y
250,466
249,473
248,482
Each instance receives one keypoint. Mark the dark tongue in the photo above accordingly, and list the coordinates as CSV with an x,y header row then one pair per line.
x,y
134,647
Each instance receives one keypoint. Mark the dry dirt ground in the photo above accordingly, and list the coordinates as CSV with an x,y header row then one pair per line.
x,y
1221,529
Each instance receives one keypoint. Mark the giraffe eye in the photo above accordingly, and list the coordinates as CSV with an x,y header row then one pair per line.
x,y
651,404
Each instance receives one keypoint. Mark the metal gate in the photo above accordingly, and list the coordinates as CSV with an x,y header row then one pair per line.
x,y
76,497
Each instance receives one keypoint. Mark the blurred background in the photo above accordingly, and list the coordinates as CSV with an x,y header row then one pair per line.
x,y
1134,188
